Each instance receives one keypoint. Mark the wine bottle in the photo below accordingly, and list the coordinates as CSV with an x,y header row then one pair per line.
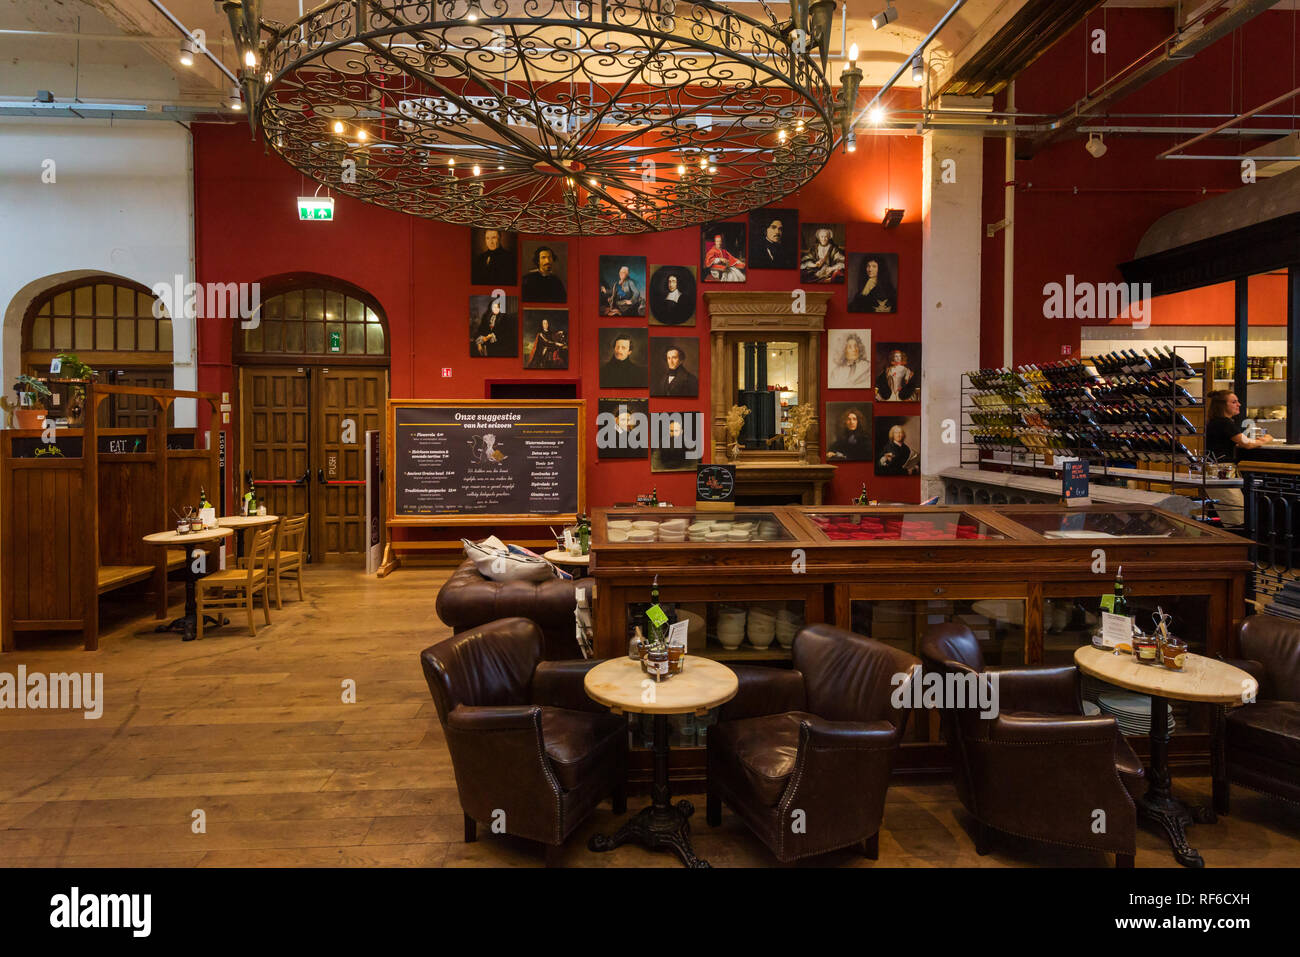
x,y
1121,601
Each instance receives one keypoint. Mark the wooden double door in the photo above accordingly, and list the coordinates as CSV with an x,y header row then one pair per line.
x,y
303,438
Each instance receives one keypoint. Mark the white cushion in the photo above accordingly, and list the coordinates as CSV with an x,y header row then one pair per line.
x,y
498,563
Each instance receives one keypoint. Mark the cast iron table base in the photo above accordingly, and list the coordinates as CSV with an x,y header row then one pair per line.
x,y
661,826
1158,806
187,624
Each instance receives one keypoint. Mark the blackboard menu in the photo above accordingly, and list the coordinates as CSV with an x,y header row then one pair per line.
x,y
485,458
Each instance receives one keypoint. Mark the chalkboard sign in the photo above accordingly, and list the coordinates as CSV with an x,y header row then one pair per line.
x,y
485,462
122,444
35,447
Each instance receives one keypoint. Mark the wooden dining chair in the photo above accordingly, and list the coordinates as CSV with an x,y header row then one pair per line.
x,y
290,554
237,587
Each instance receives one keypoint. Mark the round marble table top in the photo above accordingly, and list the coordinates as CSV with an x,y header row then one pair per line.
x,y
1202,679
619,684
561,557
191,538
247,521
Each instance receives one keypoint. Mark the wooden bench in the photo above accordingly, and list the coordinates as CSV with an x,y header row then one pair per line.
x,y
115,576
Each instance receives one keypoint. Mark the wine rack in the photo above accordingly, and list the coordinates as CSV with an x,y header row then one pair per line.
x,y
1124,410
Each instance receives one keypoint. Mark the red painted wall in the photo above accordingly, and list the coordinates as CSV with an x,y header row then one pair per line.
x,y
1089,232
247,230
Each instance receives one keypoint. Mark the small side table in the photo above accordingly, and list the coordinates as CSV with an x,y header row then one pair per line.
x,y
622,686
186,624
1202,679
559,556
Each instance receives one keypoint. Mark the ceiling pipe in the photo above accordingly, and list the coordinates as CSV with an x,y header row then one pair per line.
x,y
907,61
1226,125
189,35
1196,37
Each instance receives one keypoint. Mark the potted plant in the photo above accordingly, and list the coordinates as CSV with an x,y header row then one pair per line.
x,y
31,412
72,368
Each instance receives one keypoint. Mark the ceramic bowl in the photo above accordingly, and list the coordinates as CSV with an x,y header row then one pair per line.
x,y
617,534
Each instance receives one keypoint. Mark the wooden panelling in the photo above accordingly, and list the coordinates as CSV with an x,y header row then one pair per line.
x,y
129,509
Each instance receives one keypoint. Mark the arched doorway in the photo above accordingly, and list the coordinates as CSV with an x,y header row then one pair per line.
x,y
312,380
109,323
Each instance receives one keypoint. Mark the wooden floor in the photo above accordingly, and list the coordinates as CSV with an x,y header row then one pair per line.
x,y
254,733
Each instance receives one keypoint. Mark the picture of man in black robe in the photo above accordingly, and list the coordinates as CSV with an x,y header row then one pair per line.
x,y
495,265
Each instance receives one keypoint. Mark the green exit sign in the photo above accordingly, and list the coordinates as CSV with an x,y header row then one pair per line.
x,y
315,207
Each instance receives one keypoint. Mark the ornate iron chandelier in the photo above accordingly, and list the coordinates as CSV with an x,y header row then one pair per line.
x,y
548,116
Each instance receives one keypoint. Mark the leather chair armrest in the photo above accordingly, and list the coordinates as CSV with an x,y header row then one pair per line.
x,y
1048,689
1048,729
839,783
764,691
479,718
1046,776
559,684
851,735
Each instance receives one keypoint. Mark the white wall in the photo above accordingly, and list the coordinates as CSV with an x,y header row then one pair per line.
x,y
121,203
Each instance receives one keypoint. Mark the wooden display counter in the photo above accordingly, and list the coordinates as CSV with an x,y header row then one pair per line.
x,y
1027,580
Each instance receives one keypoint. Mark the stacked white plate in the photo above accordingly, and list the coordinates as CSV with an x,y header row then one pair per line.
x,y
731,627
769,531
1132,712
762,626
715,535
641,535
788,624
617,529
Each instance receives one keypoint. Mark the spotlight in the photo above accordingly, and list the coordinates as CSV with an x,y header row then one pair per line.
x,y
473,13
888,15
187,53
236,98
918,69
851,142
1095,147
877,115
892,218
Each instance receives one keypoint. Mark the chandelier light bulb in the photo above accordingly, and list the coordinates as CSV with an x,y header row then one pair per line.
x,y
250,58
338,126
681,169
781,135
704,162
501,167
592,181
712,170
853,55
267,77
476,169
361,135
451,161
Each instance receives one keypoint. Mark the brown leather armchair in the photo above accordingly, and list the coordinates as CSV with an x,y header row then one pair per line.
x,y
1040,768
525,740
468,600
804,756
1263,739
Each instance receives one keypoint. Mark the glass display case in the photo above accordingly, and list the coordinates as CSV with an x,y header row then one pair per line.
x,y
643,526
1056,524
1026,579
922,525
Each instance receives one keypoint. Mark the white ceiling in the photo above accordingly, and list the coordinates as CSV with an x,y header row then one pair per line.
x,y
98,69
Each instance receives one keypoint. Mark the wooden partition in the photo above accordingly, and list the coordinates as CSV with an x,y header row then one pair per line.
x,y
72,522
48,543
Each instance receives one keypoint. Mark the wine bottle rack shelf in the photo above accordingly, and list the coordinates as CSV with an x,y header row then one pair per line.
x,y
1120,411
